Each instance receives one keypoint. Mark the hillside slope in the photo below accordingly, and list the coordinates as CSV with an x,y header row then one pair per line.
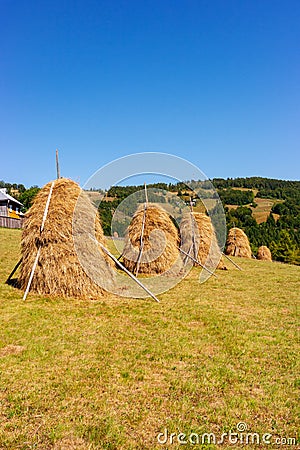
x,y
112,374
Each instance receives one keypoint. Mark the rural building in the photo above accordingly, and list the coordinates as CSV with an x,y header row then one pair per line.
x,y
10,210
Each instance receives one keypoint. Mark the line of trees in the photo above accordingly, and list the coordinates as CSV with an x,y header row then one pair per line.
x,y
259,183
282,235
12,186
235,197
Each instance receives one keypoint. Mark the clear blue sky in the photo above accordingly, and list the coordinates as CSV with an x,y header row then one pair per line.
x,y
215,82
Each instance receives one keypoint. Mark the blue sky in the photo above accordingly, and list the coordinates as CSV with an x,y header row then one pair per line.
x,y
214,82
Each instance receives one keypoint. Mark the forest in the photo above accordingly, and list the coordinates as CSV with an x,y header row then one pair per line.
x,y
280,232
281,235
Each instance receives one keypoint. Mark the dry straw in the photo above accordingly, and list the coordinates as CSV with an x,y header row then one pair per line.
x,y
160,242
198,238
59,271
264,253
237,244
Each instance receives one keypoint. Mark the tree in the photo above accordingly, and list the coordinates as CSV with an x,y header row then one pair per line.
x,y
27,197
284,249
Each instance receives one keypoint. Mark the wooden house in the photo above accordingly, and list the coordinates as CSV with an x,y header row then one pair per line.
x,y
10,211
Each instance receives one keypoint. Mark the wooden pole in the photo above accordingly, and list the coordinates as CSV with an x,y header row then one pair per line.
x,y
197,262
57,165
127,271
141,242
185,259
39,249
193,244
146,193
47,206
142,233
32,273
229,259
193,230
13,271
191,204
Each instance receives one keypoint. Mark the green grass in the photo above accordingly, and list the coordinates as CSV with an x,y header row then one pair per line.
x,y
114,373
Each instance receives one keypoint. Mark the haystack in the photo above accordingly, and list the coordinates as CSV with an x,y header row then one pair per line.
x,y
264,253
59,271
198,238
237,244
160,241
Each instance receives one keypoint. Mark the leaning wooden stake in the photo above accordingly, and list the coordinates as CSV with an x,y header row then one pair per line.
x,y
229,259
142,234
141,242
13,271
193,244
193,229
196,261
185,259
39,249
127,271
47,207
32,273
146,193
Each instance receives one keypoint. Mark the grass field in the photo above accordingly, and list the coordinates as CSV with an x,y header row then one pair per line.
x,y
114,373
262,210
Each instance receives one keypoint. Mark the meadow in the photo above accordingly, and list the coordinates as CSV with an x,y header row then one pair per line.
x,y
116,372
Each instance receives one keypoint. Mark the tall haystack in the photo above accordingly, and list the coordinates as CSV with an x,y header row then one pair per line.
x,y
264,253
160,241
59,271
198,238
237,244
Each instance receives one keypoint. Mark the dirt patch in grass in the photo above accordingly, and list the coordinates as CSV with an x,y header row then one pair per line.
x,y
72,443
11,350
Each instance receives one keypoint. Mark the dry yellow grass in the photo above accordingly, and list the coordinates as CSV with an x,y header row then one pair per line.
x,y
113,373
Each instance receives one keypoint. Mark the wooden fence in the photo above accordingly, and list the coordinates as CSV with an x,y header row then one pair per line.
x,y
9,222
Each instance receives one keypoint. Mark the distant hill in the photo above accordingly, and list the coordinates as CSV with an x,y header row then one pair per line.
x,y
268,210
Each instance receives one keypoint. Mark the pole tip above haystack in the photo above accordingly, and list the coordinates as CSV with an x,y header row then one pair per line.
x,y
264,253
237,244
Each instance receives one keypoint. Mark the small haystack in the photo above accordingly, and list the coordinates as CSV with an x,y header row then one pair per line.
x,y
160,241
264,253
204,245
59,271
237,244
